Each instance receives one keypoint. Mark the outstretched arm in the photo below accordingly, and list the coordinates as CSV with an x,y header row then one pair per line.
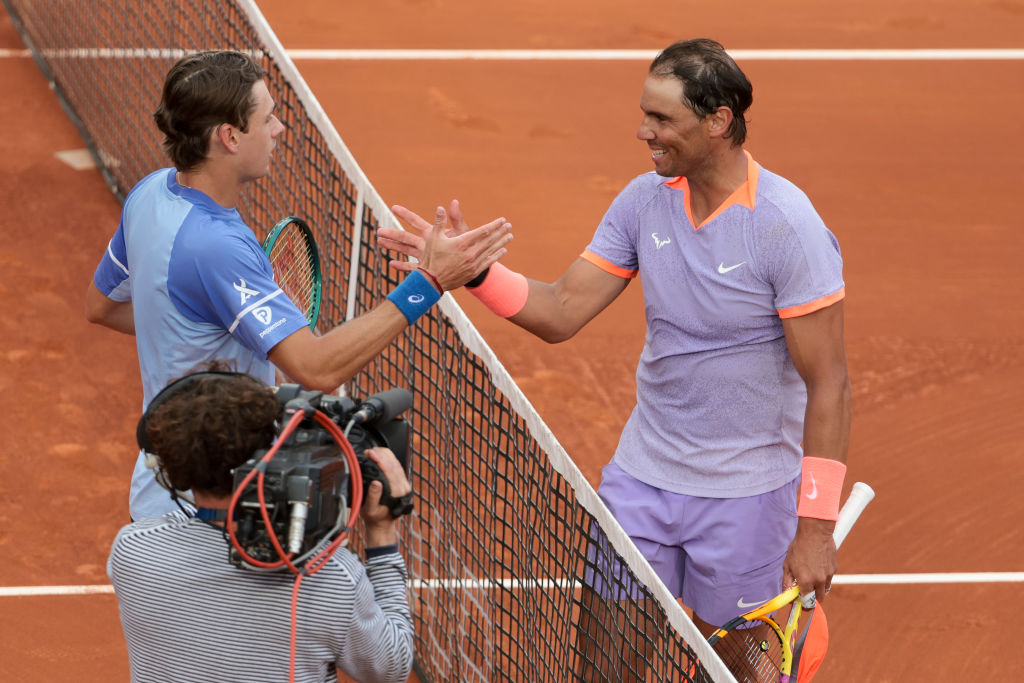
x,y
815,343
327,361
556,311
552,311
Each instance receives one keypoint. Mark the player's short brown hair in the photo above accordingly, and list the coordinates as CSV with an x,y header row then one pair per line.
x,y
710,78
202,91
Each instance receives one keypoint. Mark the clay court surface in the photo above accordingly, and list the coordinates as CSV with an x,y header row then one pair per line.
x,y
916,167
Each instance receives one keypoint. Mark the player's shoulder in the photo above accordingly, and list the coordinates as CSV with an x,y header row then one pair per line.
x,y
780,192
217,235
154,182
344,570
781,202
157,177
216,219
641,190
150,528
647,183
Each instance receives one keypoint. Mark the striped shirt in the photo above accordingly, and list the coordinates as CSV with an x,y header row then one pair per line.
x,y
190,616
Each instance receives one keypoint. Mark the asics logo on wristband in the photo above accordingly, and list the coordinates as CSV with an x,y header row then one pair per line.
x,y
414,296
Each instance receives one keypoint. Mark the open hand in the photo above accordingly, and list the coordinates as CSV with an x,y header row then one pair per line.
x,y
448,248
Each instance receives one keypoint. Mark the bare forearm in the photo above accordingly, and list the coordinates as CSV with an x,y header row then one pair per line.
x,y
117,315
557,311
325,363
827,420
811,559
349,348
548,314
121,319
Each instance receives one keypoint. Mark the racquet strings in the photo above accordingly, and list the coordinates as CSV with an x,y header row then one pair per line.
x,y
295,267
753,655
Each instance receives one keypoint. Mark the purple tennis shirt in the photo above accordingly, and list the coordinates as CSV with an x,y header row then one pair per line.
x,y
720,406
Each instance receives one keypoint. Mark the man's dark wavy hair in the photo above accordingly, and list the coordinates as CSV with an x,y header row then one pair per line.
x,y
202,91
211,426
710,80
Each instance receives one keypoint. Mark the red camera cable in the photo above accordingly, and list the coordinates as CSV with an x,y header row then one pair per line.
x,y
318,561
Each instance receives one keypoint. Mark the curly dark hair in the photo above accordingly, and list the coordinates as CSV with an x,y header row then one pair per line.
x,y
211,426
202,91
710,80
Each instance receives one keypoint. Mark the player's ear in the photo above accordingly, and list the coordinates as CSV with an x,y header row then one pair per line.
x,y
719,121
227,136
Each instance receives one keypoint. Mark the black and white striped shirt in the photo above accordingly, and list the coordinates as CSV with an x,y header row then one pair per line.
x,y
190,616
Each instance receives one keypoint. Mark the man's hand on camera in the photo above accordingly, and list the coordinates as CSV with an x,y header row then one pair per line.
x,y
380,525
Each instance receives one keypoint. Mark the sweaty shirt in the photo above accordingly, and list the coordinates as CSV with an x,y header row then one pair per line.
x,y
201,289
720,406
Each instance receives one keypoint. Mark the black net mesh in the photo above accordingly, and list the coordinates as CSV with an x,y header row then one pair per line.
x,y
754,652
499,546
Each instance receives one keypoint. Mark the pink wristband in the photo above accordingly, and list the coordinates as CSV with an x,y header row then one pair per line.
x,y
503,291
821,485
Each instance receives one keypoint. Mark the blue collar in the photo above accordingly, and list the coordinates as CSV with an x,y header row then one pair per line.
x,y
211,515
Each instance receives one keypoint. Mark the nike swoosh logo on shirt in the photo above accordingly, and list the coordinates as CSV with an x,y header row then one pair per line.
x,y
813,493
723,270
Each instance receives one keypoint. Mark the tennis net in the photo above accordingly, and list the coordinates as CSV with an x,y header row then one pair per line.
x,y
507,532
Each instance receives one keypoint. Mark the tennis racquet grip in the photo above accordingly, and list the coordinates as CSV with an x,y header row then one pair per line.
x,y
859,497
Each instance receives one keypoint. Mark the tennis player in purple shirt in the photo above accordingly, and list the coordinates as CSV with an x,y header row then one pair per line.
x,y
742,386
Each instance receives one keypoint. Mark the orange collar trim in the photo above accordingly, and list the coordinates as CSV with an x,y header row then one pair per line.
x,y
744,195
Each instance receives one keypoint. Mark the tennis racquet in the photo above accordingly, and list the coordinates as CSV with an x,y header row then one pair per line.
x,y
757,649
296,262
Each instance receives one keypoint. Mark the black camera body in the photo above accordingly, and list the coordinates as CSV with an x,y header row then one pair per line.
x,y
307,484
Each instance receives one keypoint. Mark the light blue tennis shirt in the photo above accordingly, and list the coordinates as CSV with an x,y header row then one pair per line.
x,y
201,289
720,406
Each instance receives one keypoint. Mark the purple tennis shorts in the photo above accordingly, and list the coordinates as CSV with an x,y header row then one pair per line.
x,y
722,556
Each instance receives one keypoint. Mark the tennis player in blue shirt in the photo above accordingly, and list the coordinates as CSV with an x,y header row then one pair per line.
x,y
187,277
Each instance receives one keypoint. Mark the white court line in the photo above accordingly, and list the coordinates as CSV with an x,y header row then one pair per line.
x,y
26,591
838,579
444,584
552,55
879,579
648,55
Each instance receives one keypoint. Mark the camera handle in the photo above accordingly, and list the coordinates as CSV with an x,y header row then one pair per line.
x,y
398,506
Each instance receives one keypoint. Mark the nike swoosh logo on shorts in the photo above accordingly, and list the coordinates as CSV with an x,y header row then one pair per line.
x,y
746,605
813,493
723,270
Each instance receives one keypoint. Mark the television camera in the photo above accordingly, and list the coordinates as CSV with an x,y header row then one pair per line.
x,y
307,483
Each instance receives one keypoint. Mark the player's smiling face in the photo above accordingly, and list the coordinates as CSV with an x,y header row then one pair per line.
x,y
676,136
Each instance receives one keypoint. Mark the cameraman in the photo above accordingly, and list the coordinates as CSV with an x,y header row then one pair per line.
x,y
189,615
